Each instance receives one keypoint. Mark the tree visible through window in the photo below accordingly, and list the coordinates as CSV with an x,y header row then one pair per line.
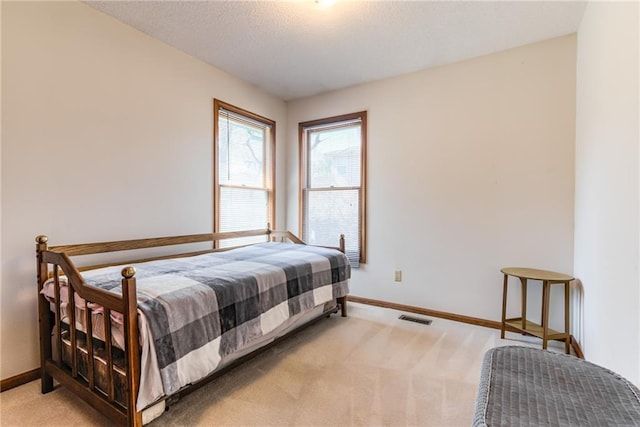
x,y
332,182
244,172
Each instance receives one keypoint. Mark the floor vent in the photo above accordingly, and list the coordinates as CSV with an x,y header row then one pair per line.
x,y
415,319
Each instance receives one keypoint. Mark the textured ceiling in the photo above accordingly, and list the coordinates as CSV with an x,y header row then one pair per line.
x,y
298,48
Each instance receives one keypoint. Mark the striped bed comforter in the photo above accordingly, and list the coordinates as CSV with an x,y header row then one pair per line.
x,y
197,310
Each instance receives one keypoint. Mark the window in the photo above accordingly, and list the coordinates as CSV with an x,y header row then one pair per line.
x,y
332,182
244,173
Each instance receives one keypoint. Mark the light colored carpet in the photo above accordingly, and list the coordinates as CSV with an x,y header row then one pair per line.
x,y
370,369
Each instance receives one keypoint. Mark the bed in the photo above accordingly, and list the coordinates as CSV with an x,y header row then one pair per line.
x,y
130,337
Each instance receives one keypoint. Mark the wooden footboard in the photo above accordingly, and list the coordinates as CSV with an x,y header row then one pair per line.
x,y
103,375
67,372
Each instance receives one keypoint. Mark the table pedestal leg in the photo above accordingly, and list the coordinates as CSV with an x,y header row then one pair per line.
x,y
545,312
566,318
523,287
504,305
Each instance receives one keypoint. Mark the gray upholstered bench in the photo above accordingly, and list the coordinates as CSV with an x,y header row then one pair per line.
x,y
523,386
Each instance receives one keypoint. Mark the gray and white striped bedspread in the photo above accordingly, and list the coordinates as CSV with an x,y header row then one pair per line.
x,y
522,386
202,308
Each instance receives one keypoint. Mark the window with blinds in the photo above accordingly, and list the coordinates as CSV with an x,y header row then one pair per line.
x,y
332,182
244,174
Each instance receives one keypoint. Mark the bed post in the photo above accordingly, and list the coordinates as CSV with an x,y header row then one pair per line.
x,y
44,316
343,301
132,344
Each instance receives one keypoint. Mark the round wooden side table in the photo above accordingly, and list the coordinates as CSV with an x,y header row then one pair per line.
x,y
521,324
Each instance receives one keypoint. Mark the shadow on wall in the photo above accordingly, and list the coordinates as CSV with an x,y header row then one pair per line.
x,y
577,311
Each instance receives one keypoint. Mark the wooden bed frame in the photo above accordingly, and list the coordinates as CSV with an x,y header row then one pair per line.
x,y
67,356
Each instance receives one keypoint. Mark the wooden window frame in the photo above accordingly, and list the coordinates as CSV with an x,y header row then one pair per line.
x,y
303,166
270,175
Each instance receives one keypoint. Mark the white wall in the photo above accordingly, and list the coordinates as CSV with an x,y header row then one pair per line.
x,y
91,107
607,185
471,168
0,186
106,135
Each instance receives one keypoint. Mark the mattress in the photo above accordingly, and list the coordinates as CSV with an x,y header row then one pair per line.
x,y
523,386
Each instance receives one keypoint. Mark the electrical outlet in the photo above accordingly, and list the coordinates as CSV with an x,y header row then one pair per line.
x,y
397,276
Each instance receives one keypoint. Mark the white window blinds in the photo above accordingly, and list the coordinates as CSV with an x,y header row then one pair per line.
x,y
243,174
333,184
